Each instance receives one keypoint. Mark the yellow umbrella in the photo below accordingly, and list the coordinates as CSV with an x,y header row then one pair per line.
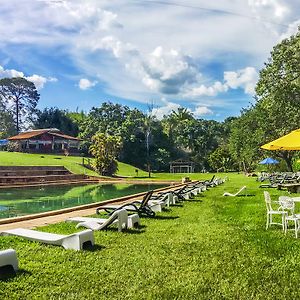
x,y
291,141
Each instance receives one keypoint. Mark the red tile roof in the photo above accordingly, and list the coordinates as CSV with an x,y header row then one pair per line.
x,y
37,132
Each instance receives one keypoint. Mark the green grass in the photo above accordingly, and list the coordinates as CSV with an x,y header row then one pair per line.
x,y
72,163
213,247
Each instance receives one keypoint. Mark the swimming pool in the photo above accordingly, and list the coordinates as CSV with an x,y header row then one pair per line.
x,y
25,201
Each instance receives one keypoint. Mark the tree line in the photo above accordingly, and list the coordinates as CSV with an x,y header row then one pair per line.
x,y
146,142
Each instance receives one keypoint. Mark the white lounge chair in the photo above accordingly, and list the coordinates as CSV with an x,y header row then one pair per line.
x,y
236,194
74,241
119,218
9,258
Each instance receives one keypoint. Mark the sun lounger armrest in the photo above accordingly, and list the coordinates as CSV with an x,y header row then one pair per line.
x,y
77,240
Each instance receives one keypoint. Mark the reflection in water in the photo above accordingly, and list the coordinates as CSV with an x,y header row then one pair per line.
x,y
24,201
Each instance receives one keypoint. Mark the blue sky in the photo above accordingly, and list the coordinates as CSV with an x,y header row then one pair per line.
x,y
202,55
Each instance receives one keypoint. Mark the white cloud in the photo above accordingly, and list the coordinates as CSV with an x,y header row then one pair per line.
x,y
203,90
201,111
244,78
85,84
38,80
168,71
165,110
113,44
270,8
10,73
291,30
103,40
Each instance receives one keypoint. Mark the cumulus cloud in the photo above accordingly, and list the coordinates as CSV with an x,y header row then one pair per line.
x,y
38,80
10,73
203,90
85,84
271,8
201,111
113,44
165,110
168,71
103,35
244,78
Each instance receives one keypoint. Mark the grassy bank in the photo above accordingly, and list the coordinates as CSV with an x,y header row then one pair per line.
x,y
212,248
72,163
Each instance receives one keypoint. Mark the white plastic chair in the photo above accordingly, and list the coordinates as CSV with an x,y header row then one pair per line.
x,y
288,205
271,212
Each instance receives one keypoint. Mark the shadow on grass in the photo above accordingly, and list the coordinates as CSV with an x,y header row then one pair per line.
x,y
165,217
134,231
8,272
193,200
177,205
93,248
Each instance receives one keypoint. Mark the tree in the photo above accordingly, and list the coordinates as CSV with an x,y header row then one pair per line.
x,y
7,126
55,118
221,160
278,91
20,97
105,149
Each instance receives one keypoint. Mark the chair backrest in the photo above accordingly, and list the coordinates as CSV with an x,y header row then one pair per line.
x,y
121,215
243,188
146,199
268,200
212,179
286,204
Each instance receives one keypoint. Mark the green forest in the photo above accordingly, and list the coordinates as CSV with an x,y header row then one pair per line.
x,y
149,143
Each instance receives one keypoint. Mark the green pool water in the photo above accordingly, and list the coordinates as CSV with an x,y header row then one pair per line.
x,y
25,201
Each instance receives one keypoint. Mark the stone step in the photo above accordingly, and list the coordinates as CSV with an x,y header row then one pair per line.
x,y
37,179
48,183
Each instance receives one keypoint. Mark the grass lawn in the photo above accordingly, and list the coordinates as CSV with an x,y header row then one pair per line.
x,y
213,247
72,163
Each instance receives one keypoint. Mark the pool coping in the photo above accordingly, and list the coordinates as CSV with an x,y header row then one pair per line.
x,y
8,221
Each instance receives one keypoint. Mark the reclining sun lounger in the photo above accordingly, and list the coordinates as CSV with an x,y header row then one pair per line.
x,y
159,201
9,258
139,207
187,192
119,218
236,194
75,241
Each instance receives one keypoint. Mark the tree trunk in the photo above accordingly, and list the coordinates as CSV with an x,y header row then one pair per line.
x,y
149,170
17,115
288,159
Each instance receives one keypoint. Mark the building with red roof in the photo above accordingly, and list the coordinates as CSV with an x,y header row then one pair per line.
x,y
50,140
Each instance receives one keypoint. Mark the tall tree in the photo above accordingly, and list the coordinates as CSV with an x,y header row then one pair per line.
x,y
55,118
21,98
7,126
278,91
